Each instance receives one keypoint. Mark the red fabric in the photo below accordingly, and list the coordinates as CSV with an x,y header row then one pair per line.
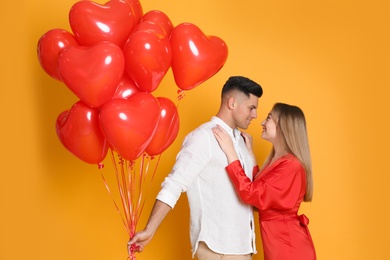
x,y
277,192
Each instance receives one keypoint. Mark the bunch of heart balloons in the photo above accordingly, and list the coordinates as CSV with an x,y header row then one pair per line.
x,y
113,60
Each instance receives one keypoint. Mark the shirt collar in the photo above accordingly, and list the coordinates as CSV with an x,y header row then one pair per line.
x,y
233,132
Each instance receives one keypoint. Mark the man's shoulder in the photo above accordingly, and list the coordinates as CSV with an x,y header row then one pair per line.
x,y
204,126
202,130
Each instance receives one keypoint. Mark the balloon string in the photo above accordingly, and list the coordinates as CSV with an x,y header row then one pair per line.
x,y
120,171
122,182
130,195
150,183
133,195
113,200
143,173
128,180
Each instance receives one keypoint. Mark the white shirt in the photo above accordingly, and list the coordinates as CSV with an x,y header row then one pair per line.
x,y
218,217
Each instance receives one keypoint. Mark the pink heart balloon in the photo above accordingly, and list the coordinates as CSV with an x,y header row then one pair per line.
x,y
129,124
195,56
92,73
79,131
92,23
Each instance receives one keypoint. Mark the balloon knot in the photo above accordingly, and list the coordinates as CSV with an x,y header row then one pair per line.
x,y
180,94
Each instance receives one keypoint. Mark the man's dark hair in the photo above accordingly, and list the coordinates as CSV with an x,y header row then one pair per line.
x,y
242,84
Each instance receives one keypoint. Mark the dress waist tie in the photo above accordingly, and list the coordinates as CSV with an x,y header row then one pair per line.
x,y
303,220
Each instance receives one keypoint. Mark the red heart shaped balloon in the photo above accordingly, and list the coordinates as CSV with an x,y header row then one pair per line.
x,y
195,56
50,45
167,127
151,26
136,8
148,57
92,23
129,124
92,73
126,88
79,131
159,18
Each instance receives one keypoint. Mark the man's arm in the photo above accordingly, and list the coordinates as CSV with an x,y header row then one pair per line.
x,y
142,238
192,158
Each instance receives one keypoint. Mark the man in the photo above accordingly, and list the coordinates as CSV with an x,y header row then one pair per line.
x,y
221,225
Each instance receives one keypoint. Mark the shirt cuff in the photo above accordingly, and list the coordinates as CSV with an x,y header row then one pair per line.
x,y
167,197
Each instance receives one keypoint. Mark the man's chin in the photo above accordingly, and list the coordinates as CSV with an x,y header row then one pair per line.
x,y
245,127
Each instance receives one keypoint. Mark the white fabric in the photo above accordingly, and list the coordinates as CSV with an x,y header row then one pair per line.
x,y
218,217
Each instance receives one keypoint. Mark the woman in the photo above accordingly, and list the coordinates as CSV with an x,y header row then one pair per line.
x,y
283,182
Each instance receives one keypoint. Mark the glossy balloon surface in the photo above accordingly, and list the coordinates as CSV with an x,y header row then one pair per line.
x,y
92,73
50,45
79,131
92,23
167,127
129,124
195,56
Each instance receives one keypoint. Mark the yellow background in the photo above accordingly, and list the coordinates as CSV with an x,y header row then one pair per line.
x,y
331,58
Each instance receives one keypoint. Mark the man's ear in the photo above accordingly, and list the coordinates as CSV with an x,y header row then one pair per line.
x,y
232,103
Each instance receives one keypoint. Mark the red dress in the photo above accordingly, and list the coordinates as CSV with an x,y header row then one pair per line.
x,y
277,192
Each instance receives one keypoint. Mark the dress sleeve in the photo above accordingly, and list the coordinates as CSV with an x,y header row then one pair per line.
x,y
280,188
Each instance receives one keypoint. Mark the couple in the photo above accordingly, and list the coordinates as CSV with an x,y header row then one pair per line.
x,y
217,168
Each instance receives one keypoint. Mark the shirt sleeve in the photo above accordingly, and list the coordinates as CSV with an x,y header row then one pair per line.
x,y
193,157
280,188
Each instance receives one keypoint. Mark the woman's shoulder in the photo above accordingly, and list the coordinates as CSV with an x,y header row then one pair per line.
x,y
287,161
291,160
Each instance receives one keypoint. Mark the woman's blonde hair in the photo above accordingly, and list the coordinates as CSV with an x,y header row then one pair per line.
x,y
291,126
